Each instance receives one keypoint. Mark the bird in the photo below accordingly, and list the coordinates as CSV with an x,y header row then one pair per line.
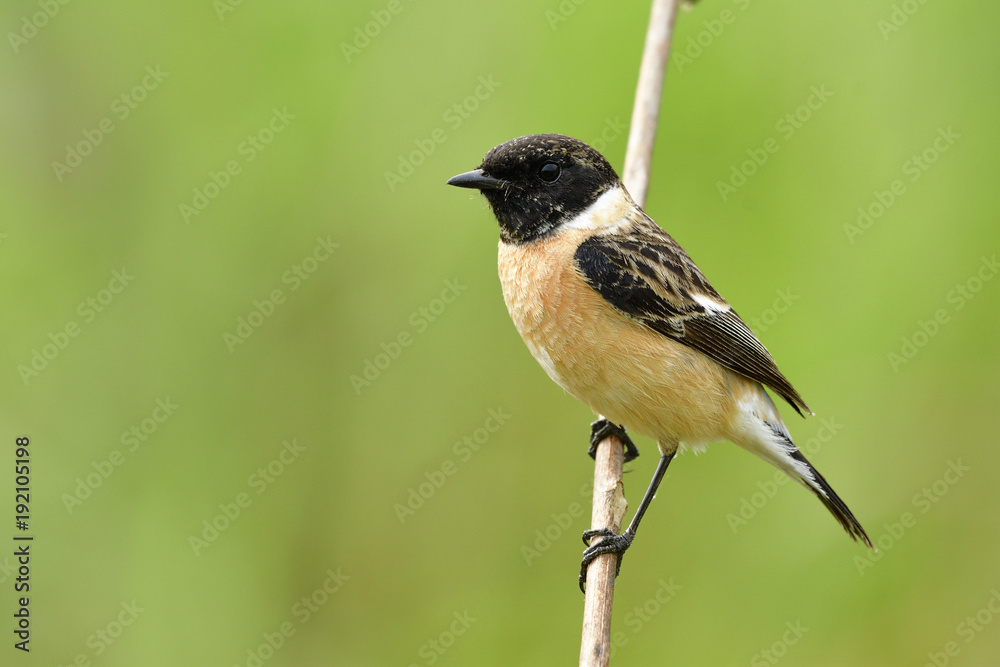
x,y
619,316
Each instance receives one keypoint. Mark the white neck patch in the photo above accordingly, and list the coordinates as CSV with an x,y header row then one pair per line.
x,y
604,215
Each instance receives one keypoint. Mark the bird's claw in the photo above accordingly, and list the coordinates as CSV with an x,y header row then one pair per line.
x,y
601,429
612,543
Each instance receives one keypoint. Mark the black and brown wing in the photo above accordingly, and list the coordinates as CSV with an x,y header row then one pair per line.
x,y
646,275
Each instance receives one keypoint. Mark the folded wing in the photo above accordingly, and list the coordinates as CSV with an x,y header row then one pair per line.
x,y
645,274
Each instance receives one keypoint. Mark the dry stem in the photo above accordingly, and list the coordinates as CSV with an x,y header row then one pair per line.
x,y
609,498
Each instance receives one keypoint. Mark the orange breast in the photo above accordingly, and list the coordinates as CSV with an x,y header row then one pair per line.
x,y
623,370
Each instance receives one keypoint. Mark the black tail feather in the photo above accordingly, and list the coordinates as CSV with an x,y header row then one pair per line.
x,y
838,508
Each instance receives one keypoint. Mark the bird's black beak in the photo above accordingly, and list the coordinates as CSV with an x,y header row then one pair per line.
x,y
476,179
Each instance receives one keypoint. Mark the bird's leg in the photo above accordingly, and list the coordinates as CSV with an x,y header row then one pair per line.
x,y
601,429
619,543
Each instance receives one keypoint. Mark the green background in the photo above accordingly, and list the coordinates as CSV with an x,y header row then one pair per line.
x,y
468,549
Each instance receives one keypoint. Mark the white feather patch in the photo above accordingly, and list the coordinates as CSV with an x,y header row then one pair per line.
x,y
604,215
709,303
757,416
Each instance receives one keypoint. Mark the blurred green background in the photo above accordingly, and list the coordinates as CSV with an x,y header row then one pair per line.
x,y
236,282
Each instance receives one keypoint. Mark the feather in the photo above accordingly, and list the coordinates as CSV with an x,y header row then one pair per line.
x,y
643,272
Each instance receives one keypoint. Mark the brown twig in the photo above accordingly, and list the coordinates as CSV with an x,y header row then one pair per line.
x,y
646,110
609,497
609,510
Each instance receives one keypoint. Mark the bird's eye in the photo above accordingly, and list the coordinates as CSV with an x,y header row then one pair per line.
x,y
549,172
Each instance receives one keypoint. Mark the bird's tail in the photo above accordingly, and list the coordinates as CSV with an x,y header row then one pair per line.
x,y
768,439
838,508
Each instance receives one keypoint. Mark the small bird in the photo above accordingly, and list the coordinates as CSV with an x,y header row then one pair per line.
x,y
619,316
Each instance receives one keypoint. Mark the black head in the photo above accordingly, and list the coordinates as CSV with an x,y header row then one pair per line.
x,y
536,183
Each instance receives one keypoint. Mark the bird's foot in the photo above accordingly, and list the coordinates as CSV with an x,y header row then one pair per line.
x,y
601,429
612,543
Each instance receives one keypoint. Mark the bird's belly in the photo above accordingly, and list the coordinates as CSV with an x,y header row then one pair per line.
x,y
623,370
